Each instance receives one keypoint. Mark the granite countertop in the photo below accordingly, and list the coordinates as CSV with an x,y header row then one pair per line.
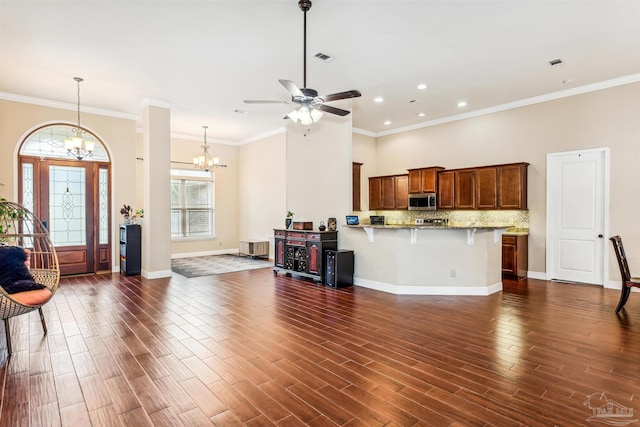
x,y
516,232
433,227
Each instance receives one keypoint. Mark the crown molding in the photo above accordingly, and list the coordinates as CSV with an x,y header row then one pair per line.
x,y
64,106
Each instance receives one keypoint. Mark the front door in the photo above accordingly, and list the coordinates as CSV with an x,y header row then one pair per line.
x,y
71,198
576,223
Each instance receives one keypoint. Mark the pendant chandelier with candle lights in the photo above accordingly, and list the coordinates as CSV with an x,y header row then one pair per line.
x,y
206,161
76,146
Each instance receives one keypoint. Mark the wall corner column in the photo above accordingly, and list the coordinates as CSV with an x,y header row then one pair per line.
x,y
156,148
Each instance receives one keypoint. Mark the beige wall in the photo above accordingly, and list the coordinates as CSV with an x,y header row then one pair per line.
x,y
605,118
319,170
261,188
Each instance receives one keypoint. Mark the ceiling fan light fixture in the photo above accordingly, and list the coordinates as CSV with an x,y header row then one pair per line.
x,y
305,115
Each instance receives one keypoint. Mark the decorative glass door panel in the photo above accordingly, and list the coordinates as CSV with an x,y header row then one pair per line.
x,y
67,206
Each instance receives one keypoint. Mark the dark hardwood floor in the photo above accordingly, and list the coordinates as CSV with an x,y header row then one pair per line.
x,y
254,349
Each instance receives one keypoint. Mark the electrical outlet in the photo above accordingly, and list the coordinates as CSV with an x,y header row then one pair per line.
x,y
452,273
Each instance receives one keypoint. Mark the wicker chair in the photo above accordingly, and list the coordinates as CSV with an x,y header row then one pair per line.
x,y
20,227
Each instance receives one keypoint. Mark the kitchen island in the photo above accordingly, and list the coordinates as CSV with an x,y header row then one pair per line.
x,y
462,259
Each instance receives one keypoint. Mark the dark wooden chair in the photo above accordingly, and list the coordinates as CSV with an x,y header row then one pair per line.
x,y
628,282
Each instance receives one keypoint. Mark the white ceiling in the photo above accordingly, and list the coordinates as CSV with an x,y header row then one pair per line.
x,y
205,57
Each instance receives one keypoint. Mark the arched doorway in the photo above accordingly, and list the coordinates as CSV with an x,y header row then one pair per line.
x,y
70,196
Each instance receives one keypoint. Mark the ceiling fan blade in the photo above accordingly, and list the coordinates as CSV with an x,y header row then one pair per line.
x,y
257,101
291,87
333,110
341,95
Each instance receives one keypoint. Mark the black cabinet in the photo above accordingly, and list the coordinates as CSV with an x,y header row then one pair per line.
x,y
301,252
130,249
339,268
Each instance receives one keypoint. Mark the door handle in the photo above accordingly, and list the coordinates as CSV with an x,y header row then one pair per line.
x,y
600,236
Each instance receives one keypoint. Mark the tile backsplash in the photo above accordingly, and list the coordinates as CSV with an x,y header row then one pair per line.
x,y
519,218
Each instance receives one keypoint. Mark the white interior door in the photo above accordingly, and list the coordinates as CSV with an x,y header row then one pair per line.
x,y
576,209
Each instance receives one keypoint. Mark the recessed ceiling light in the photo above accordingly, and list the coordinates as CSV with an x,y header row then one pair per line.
x,y
421,114
462,104
388,122
555,62
378,99
422,86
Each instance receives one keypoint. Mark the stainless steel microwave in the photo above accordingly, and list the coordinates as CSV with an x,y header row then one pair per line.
x,y
423,202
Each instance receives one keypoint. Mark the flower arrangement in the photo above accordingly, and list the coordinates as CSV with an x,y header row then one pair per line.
x,y
126,211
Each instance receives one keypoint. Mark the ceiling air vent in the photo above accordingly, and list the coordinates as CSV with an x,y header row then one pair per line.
x,y
323,57
555,62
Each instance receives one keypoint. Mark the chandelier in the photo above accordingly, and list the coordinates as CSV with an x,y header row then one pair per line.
x,y
76,146
205,161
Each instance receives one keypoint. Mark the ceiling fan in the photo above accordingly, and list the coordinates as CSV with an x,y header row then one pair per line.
x,y
310,105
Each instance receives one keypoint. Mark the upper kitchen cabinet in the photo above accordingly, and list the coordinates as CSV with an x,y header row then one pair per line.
x,y
424,180
487,188
402,192
388,192
355,186
512,186
464,189
375,193
445,189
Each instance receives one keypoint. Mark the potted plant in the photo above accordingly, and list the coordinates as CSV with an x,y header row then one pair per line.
x,y
289,221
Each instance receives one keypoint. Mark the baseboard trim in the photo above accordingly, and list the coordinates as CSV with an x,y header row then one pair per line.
x,y
536,275
156,274
429,290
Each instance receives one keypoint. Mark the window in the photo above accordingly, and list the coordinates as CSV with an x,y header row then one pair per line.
x,y
48,142
192,196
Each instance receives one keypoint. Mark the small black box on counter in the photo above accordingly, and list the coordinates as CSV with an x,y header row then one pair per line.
x,y
376,220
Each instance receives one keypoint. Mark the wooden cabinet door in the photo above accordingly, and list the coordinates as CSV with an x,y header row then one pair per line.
x,y
415,181
355,186
486,188
445,190
375,194
428,179
402,192
509,255
515,256
314,258
388,184
465,189
512,186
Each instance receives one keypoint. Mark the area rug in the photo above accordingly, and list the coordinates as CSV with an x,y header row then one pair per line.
x,y
215,264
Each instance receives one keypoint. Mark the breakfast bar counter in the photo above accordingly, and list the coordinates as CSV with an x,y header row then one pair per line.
x,y
413,259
